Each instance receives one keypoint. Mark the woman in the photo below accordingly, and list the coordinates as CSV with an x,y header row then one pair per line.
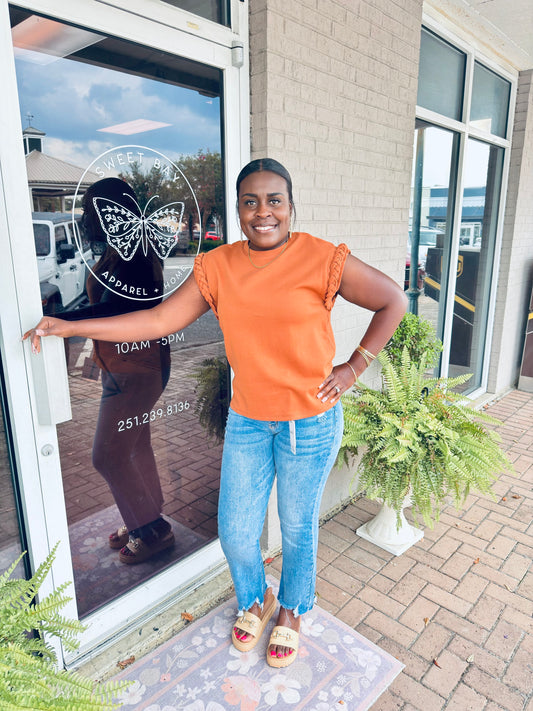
x,y
130,382
273,295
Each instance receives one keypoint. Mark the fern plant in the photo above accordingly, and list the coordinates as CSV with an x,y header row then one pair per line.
x,y
419,336
212,390
29,677
420,439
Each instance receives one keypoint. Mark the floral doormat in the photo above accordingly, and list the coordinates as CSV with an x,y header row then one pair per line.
x,y
200,670
99,576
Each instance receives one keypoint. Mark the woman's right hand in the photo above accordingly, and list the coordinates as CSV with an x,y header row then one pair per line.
x,y
47,326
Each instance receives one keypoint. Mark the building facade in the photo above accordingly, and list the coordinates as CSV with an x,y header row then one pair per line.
x,y
407,127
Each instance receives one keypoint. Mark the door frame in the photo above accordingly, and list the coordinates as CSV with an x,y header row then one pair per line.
x,y
38,396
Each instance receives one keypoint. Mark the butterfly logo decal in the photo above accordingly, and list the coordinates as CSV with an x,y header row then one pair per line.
x,y
126,230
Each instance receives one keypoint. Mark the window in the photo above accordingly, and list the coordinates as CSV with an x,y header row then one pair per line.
x,y
41,235
455,273
441,76
490,101
60,236
215,10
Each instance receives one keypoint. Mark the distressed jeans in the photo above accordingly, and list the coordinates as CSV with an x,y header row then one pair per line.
x,y
301,454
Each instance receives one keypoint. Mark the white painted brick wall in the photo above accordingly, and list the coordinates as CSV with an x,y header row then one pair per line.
x,y
333,94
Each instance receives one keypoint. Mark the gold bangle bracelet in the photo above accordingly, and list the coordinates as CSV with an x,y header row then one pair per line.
x,y
363,356
367,355
353,371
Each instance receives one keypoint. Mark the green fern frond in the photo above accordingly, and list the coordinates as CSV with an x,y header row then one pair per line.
x,y
29,677
419,436
212,396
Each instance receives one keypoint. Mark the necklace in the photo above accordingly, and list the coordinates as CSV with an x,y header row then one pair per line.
x,y
263,266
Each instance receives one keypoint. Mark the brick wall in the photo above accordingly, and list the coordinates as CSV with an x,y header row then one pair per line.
x,y
333,94
333,88
516,269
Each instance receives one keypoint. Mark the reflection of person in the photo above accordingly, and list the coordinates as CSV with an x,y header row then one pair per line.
x,y
273,295
132,382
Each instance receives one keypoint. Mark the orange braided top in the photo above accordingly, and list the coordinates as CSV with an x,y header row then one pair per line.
x,y
274,310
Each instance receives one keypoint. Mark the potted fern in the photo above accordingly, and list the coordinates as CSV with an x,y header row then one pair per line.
x,y
418,336
212,390
29,677
422,443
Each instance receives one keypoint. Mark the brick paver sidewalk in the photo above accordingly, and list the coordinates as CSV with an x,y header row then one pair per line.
x,y
456,608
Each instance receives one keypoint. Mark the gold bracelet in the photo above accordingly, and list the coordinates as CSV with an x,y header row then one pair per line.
x,y
367,355
353,371
364,357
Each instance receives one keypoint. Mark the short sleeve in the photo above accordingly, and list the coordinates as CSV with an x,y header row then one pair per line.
x,y
202,281
335,274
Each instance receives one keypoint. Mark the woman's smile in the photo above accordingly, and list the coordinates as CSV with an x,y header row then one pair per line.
x,y
264,210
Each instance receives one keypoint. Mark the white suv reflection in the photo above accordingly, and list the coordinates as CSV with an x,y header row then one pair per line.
x,y
62,269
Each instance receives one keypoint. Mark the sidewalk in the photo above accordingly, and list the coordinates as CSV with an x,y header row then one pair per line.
x,y
456,608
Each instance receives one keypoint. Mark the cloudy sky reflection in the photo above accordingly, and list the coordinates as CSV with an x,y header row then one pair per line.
x,y
70,101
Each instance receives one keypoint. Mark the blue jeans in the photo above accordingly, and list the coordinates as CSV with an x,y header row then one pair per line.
x,y
301,453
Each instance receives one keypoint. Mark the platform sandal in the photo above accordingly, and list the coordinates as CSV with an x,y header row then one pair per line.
x,y
252,625
119,538
283,637
151,539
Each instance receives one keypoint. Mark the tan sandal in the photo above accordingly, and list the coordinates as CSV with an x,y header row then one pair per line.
x,y
137,550
254,625
118,539
283,637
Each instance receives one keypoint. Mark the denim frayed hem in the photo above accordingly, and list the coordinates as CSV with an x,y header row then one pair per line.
x,y
261,603
296,611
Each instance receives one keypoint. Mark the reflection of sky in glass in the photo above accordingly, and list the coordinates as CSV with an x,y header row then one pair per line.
x,y
70,101
476,165
437,157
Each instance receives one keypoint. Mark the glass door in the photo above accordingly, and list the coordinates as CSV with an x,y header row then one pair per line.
x,y
125,174
477,240
124,160
431,222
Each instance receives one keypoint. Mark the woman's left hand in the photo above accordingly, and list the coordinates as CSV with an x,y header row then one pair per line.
x,y
338,382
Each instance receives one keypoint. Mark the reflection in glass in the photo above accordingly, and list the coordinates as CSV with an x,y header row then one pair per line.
x,y
144,442
441,76
10,547
483,174
215,10
490,101
431,212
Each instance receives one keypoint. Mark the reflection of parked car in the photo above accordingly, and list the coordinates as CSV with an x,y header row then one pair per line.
x,y
464,310
61,266
212,236
428,238
420,276
182,243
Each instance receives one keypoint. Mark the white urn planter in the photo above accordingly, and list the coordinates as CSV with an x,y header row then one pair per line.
x,y
382,530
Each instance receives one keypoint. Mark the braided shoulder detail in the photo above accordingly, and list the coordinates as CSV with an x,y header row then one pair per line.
x,y
335,275
201,280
